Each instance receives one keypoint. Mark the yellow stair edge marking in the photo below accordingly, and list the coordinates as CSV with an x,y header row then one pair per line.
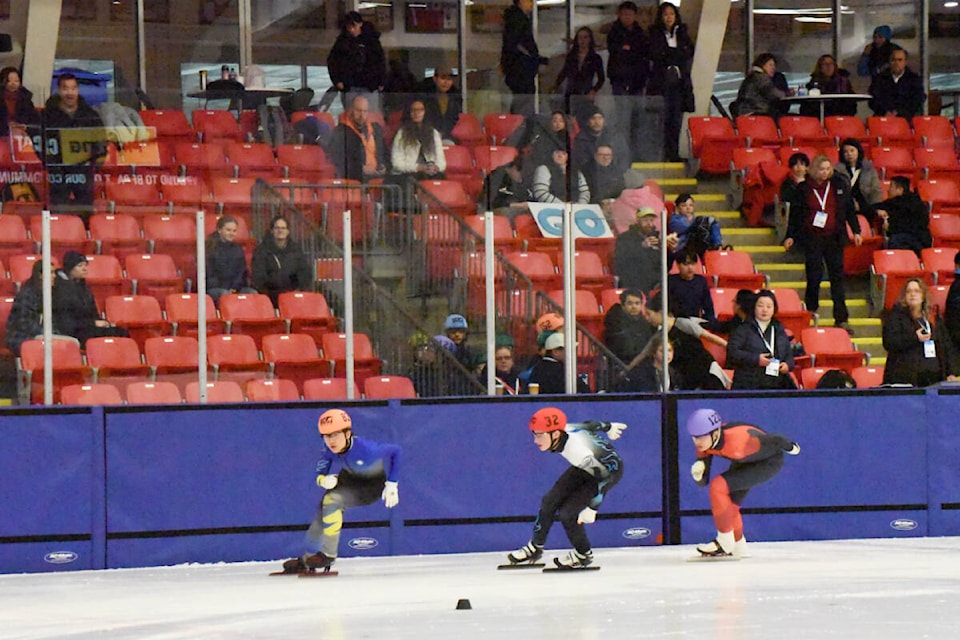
x,y
780,266
765,249
855,302
869,340
700,197
800,284
749,231
677,182
878,361
658,165
865,322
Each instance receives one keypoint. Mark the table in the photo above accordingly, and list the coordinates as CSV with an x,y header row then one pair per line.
x,y
826,97
952,92
246,97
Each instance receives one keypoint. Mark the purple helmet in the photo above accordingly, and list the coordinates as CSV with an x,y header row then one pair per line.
x,y
702,422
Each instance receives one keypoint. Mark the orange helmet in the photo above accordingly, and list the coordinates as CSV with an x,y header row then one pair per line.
x,y
548,419
550,321
333,420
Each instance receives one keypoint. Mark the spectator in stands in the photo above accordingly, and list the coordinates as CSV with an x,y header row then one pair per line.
x,y
70,174
582,74
626,330
697,367
671,59
434,372
759,350
442,99
455,327
75,310
506,192
356,62
399,85
636,257
697,233
556,182
604,180
549,372
799,165
25,321
951,312
826,207
417,150
627,68
279,263
546,136
916,347
742,310
226,266
758,96
520,57
906,220
356,148
829,79
594,134
507,373
898,91
875,58
648,375
862,177
16,108
689,290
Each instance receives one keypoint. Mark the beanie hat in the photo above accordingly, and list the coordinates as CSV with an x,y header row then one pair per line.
x,y
72,259
884,31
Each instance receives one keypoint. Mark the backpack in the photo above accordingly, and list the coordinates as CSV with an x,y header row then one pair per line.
x,y
836,379
700,234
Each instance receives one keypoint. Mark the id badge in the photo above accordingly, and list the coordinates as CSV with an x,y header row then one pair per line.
x,y
773,369
820,219
929,349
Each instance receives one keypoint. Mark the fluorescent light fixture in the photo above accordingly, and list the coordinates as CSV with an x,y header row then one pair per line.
x,y
950,5
813,19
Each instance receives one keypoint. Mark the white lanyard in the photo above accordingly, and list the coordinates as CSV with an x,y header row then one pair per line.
x,y
773,339
823,200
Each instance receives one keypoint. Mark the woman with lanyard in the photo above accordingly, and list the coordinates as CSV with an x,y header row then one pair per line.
x,y
820,231
862,176
670,88
759,349
916,350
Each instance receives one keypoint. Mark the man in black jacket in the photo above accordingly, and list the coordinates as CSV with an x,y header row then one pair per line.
x,y
356,146
899,90
906,220
628,67
71,158
520,58
357,63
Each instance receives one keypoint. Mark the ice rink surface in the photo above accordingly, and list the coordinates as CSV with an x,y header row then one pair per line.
x,y
871,589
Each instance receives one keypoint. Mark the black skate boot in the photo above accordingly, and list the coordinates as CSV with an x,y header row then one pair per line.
x,y
318,561
295,565
574,560
527,554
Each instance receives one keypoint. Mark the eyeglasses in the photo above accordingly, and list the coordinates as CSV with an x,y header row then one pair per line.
x,y
281,228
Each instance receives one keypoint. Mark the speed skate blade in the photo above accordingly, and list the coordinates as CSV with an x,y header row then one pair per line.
x,y
703,558
522,565
318,574
592,567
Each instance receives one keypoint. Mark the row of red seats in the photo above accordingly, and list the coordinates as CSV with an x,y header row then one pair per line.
x,y
891,268
226,391
175,358
713,139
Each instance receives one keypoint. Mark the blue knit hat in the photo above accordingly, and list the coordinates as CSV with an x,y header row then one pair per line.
x,y
884,31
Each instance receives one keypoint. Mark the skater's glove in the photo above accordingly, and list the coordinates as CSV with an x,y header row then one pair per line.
x,y
616,430
587,516
697,470
794,449
327,482
390,495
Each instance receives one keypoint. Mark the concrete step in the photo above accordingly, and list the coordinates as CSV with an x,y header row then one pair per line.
x,y
660,171
749,238
705,201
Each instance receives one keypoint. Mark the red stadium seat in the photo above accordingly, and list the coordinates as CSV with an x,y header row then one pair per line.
x,y
387,387
175,236
153,274
945,229
68,368
451,196
202,159
937,163
306,312
733,269
105,278
858,259
235,357
326,389
468,130
158,392
803,131
500,126
366,364
219,391
183,315
890,270
538,267
890,131
893,161
67,233
116,234
842,127
216,124
490,158
722,299
831,347
276,390
90,394
140,315
933,131
758,131
791,311
251,314
253,159
13,237
943,196
169,123
117,361
295,357
867,377
305,163
173,359
940,262
461,168
810,376
591,275
712,141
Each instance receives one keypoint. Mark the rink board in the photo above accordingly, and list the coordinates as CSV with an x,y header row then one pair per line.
x,y
859,472
142,486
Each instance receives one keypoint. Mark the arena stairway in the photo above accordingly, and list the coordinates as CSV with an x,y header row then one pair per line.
x,y
784,268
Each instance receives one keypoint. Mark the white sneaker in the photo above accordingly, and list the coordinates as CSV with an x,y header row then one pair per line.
x,y
528,553
574,560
